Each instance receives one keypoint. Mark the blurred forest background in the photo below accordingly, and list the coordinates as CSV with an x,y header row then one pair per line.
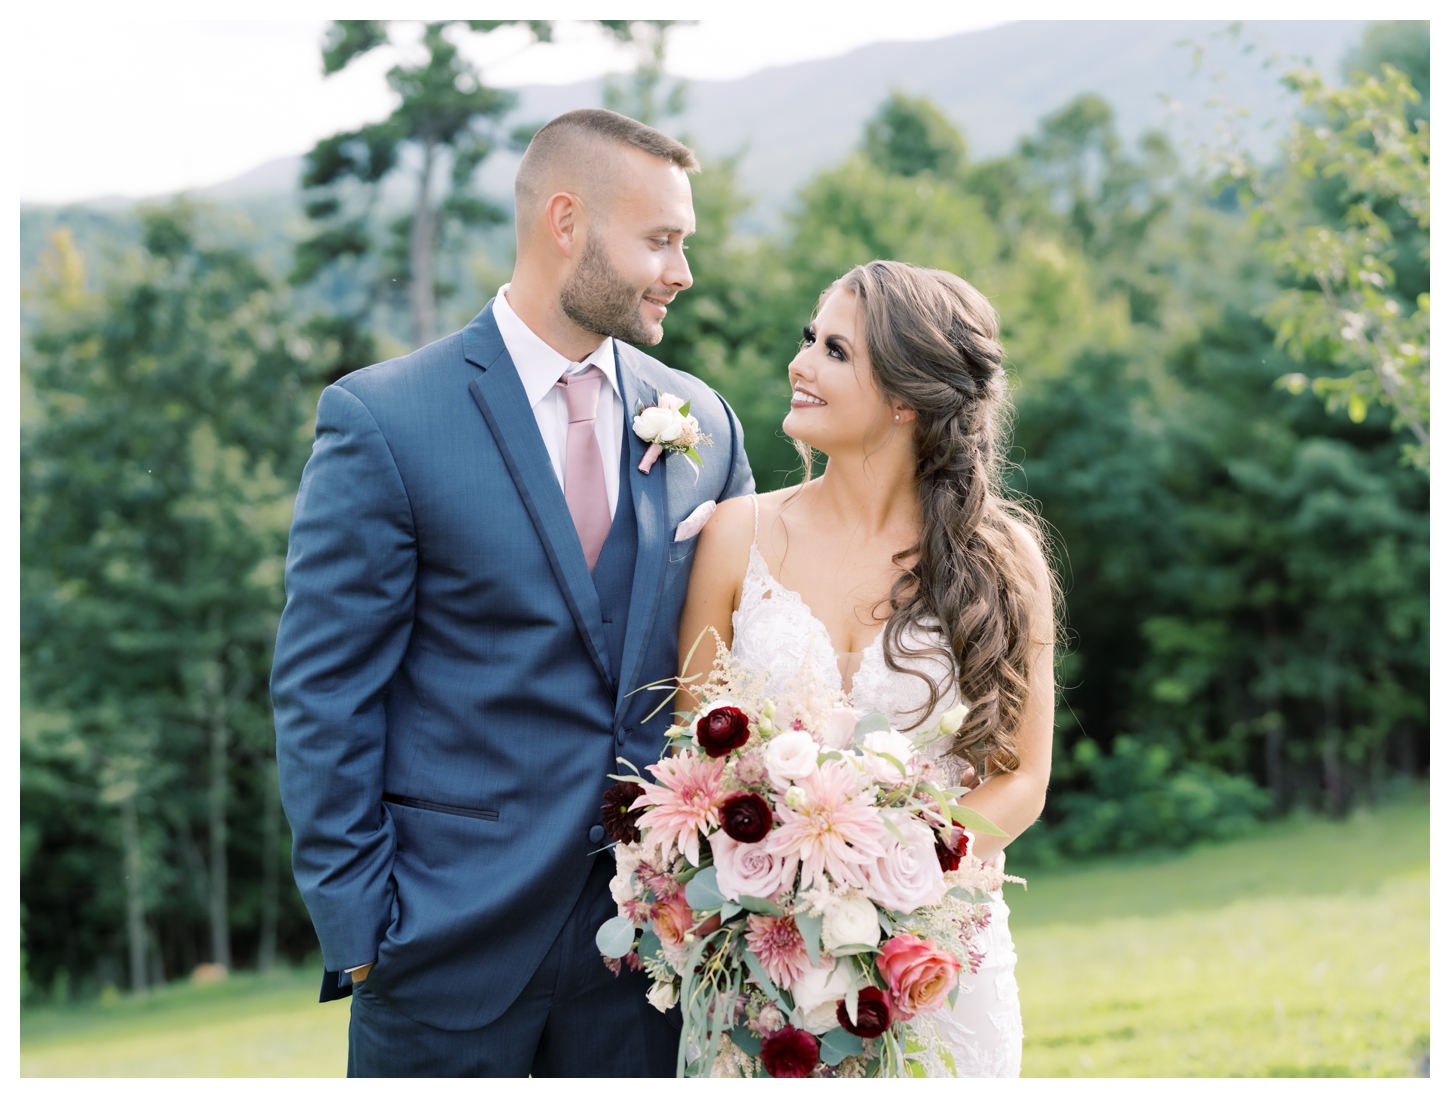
x,y
1220,363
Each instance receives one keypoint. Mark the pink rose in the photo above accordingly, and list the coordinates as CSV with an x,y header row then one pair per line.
x,y
908,875
918,975
839,730
748,869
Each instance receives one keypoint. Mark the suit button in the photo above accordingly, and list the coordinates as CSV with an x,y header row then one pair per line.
x,y
619,736
596,833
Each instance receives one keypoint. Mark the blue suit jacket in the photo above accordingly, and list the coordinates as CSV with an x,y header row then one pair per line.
x,y
442,645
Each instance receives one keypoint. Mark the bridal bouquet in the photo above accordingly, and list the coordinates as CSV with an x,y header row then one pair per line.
x,y
795,877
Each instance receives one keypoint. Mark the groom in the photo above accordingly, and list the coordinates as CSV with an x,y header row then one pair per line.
x,y
480,579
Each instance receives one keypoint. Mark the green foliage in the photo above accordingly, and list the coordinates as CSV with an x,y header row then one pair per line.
x,y
1348,223
909,136
156,487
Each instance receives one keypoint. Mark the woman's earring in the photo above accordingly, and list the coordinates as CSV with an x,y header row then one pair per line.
x,y
898,418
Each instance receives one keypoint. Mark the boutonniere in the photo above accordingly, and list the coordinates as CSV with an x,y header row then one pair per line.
x,y
668,426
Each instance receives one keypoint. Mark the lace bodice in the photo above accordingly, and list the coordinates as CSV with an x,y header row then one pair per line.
x,y
776,633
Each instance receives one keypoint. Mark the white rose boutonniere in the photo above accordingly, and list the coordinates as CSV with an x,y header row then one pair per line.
x,y
668,427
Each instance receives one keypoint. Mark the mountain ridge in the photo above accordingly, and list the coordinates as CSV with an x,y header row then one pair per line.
x,y
788,121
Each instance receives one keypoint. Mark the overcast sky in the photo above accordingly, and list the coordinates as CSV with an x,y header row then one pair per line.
x,y
149,106
160,100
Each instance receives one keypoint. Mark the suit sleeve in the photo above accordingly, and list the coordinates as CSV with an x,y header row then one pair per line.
x,y
740,481
351,567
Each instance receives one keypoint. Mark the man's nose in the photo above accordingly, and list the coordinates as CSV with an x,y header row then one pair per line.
x,y
678,273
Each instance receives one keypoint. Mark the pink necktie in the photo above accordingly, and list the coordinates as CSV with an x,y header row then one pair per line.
x,y
584,490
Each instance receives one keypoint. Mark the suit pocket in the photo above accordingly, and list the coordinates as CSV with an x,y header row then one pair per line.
x,y
681,551
489,814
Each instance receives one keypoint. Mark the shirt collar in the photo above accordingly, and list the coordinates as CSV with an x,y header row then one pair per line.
x,y
539,365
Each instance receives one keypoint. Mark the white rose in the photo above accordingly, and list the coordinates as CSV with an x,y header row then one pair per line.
x,y
850,922
790,757
893,744
662,996
671,402
672,428
621,886
952,719
839,728
908,875
650,422
818,991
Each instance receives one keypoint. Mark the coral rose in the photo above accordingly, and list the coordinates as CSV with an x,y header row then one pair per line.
x,y
673,921
721,729
790,1053
918,975
873,1013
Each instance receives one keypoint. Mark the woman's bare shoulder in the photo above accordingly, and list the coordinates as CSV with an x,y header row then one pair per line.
x,y
1030,552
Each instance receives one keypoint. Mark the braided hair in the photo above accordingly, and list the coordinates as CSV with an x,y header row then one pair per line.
x,y
932,341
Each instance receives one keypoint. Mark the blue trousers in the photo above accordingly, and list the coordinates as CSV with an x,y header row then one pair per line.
x,y
573,1019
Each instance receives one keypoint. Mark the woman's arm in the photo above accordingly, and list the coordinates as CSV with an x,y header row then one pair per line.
x,y
714,592
1014,800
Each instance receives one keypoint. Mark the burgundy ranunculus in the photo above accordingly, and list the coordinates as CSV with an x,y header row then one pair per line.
x,y
950,854
621,823
790,1053
873,1013
746,817
722,730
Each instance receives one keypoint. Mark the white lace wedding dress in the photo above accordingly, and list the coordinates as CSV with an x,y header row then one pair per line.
x,y
775,634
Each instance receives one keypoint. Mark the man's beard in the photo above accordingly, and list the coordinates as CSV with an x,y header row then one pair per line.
x,y
599,300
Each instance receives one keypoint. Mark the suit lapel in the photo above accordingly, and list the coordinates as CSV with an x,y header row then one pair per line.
x,y
500,396
648,492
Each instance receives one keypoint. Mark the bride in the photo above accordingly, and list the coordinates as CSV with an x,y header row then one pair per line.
x,y
902,572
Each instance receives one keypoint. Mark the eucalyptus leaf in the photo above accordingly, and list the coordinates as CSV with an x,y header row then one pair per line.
x,y
852,949
853,999
871,722
810,928
759,906
763,979
729,910
975,821
746,1041
649,945
615,937
885,921
837,1044
960,894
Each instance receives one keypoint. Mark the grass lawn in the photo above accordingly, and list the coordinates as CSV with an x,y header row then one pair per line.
x,y
1304,950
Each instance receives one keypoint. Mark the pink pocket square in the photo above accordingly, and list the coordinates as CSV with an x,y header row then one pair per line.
x,y
696,521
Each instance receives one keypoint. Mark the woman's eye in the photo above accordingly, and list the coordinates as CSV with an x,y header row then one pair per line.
x,y
808,337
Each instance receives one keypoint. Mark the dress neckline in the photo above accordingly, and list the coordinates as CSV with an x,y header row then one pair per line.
x,y
757,559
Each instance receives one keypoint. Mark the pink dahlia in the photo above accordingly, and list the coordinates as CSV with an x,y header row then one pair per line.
x,y
685,801
778,946
837,829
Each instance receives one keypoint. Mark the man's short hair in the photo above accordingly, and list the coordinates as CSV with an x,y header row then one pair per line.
x,y
582,138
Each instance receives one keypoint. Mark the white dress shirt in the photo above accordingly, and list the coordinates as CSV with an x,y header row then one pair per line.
x,y
540,367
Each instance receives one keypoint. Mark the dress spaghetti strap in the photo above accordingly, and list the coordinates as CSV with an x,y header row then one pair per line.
x,y
755,534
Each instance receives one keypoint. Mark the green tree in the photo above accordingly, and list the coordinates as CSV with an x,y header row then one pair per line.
x,y
1348,220
446,120
156,489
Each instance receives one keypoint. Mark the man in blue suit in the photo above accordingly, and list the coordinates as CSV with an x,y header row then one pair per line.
x,y
480,579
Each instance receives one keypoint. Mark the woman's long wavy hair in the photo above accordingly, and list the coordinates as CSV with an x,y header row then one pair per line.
x,y
932,340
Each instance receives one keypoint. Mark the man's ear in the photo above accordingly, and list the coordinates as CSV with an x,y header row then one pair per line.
x,y
566,222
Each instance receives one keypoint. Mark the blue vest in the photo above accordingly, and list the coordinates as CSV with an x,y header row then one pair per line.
x,y
614,570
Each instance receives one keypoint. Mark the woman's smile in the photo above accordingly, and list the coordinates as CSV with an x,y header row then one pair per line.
x,y
803,398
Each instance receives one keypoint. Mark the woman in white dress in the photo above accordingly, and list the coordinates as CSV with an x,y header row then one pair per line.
x,y
899,384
